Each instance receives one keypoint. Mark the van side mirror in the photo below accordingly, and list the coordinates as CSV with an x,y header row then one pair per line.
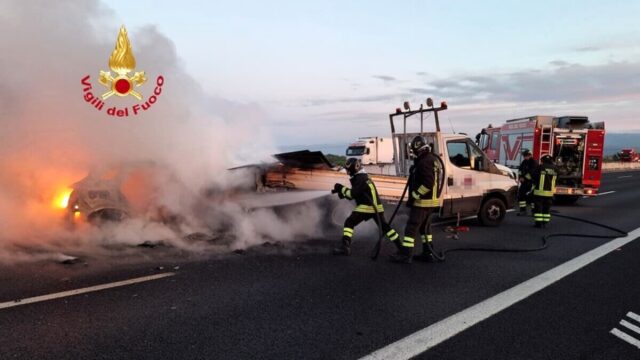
x,y
368,151
478,163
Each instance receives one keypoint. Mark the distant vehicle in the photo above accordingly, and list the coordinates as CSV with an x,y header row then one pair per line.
x,y
575,144
372,150
629,155
376,154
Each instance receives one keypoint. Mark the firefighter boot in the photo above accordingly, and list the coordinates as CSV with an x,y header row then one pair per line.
x,y
523,208
426,256
344,248
403,256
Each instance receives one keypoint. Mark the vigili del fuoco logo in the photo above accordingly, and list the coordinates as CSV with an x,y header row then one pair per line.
x,y
120,82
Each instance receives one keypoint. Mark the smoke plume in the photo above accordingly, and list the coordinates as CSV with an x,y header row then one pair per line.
x,y
51,138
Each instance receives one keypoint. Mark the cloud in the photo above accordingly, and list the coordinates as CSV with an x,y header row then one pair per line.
x,y
385,78
559,63
589,48
563,83
352,99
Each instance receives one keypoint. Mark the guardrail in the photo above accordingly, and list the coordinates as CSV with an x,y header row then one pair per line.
x,y
620,166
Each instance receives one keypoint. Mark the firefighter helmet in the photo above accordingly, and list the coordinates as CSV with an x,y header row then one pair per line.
x,y
353,166
546,159
526,152
419,145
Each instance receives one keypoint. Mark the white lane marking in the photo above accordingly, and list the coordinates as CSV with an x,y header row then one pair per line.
x,y
434,334
630,326
604,193
626,337
625,176
62,294
633,316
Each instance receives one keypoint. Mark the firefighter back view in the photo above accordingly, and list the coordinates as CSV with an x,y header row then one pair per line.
x,y
525,177
544,187
423,202
368,206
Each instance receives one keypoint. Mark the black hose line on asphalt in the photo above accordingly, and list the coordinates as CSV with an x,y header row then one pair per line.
x,y
440,256
545,239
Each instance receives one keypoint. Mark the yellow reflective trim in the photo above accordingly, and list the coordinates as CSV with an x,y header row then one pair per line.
x,y
348,229
544,193
423,190
427,203
408,241
374,197
415,195
391,232
368,209
394,237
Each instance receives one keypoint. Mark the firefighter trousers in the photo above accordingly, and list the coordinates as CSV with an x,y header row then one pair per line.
x,y
418,224
542,209
357,217
525,195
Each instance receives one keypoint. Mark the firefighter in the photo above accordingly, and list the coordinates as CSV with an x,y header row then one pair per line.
x,y
423,202
544,186
368,206
525,177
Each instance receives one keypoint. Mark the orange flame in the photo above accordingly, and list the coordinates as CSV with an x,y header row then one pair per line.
x,y
122,60
62,198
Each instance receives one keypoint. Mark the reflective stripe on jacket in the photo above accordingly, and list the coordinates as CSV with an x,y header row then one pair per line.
x,y
364,193
545,184
424,181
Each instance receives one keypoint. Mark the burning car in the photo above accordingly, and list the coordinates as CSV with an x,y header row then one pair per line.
x,y
95,199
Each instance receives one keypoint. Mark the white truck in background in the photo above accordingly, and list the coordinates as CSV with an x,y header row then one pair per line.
x,y
376,154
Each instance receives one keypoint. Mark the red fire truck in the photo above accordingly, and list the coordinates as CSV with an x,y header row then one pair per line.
x,y
575,144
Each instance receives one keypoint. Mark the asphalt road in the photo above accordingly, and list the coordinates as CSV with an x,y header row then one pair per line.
x,y
290,304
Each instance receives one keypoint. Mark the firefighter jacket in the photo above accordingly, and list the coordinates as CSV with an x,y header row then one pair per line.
x,y
545,180
423,182
526,169
364,192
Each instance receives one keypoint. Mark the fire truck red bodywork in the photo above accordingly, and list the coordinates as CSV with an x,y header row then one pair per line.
x,y
575,145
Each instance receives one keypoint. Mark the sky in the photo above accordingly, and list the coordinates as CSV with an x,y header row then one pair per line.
x,y
331,71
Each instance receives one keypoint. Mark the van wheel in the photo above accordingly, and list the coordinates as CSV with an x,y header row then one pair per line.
x,y
492,212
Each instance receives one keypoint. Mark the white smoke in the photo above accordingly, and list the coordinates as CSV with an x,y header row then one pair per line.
x,y
50,137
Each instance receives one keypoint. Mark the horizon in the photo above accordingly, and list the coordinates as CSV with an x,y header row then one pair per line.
x,y
330,70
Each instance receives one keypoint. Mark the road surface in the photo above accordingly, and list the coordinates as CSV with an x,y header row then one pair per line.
x,y
310,305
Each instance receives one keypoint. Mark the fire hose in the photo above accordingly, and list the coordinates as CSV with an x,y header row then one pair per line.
x,y
440,256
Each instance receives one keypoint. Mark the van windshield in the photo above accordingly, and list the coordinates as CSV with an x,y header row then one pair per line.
x,y
355,150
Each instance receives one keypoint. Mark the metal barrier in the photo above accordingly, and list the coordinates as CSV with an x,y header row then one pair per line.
x,y
620,166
